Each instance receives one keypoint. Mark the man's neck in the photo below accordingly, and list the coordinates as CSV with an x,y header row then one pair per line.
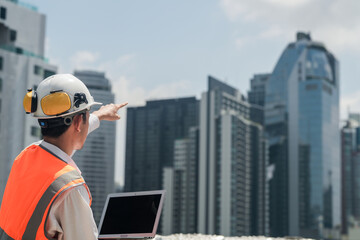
x,y
61,143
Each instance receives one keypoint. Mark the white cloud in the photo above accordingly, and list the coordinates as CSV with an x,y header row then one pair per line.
x,y
241,42
53,60
341,39
83,59
335,22
350,103
125,92
288,3
170,90
124,59
124,65
272,32
232,9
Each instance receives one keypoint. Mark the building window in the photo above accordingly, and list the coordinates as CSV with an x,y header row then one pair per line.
x,y
12,35
48,73
311,87
1,63
35,131
37,70
2,13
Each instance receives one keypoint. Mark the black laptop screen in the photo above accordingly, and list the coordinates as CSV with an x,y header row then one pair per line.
x,y
130,214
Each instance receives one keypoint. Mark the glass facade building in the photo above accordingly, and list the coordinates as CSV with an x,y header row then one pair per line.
x,y
257,92
302,121
150,134
256,97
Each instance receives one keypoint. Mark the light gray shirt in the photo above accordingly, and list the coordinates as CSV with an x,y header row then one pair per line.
x,y
70,216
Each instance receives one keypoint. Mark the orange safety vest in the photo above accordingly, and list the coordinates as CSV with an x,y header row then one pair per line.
x,y
36,179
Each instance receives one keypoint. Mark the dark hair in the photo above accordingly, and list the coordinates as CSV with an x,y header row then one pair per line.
x,y
55,131
55,127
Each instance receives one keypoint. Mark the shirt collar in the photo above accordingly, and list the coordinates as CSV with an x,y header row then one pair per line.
x,y
60,153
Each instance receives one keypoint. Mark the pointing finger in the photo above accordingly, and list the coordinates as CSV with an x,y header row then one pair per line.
x,y
118,106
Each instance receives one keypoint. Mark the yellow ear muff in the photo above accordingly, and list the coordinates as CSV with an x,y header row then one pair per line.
x,y
55,103
30,101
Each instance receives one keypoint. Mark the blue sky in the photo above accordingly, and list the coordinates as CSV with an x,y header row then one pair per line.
x,y
153,49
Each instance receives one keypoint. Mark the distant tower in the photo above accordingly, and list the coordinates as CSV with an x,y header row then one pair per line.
x,y
22,66
302,126
257,92
181,185
97,158
261,175
350,156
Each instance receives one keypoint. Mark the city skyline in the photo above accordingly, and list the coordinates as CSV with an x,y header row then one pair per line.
x,y
267,169
161,49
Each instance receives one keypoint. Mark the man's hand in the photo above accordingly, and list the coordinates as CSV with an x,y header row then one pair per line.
x,y
109,112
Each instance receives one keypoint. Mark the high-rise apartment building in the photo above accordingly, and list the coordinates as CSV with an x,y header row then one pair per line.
x,y
260,179
180,183
350,158
302,127
97,158
230,145
22,66
151,132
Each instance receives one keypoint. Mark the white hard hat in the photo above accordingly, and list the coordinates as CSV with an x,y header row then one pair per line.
x,y
59,95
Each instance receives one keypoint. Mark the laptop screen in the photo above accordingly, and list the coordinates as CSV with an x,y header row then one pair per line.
x,y
131,214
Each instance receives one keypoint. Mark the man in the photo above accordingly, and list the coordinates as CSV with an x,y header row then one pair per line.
x,y
46,196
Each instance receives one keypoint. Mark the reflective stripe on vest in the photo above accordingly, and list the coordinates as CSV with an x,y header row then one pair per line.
x,y
4,236
36,179
37,216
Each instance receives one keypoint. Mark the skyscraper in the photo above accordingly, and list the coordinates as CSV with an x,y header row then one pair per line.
x,y
150,135
97,158
230,146
301,121
256,96
350,156
181,185
22,66
259,172
257,92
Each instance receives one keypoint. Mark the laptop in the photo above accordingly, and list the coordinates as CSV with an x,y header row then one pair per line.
x,y
131,215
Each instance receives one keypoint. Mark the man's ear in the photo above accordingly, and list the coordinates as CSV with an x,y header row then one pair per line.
x,y
77,123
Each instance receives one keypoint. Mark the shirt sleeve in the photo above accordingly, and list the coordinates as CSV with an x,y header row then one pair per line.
x,y
94,123
71,217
